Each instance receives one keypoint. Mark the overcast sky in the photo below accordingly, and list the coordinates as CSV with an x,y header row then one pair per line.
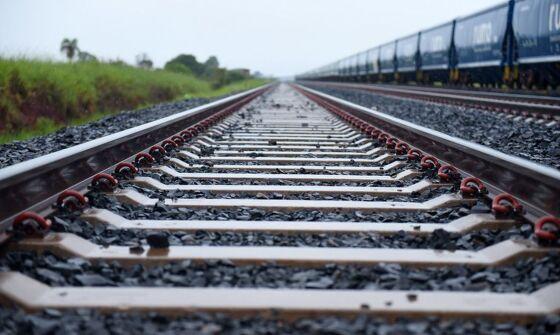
x,y
278,37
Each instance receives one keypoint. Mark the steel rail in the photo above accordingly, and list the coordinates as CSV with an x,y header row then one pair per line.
x,y
537,186
458,97
35,184
530,98
461,212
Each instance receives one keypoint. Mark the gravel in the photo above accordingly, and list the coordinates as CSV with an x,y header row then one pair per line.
x,y
209,168
526,275
160,212
257,163
422,196
170,180
19,151
86,321
535,142
523,276
108,235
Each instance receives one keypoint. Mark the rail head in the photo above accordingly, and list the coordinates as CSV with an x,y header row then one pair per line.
x,y
537,186
34,184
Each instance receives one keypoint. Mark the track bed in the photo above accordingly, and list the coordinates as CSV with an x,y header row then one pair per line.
x,y
282,218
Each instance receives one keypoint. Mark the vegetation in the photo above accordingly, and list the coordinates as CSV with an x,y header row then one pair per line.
x,y
209,70
38,97
41,96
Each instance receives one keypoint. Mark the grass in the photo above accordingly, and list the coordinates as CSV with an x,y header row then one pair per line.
x,y
39,97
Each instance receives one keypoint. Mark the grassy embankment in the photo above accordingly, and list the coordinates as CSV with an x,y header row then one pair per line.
x,y
38,97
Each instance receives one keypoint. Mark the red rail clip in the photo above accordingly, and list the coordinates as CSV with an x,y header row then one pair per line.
x,y
504,204
429,162
72,200
144,159
104,182
472,186
414,154
548,228
126,169
157,151
31,223
447,173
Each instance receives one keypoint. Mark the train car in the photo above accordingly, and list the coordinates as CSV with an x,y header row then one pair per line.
x,y
407,58
349,66
517,41
362,65
536,27
481,46
435,53
373,65
342,68
332,72
353,68
387,62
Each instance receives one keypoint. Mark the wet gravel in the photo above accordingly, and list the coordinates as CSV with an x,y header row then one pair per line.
x,y
531,141
19,151
210,169
160,212
420,196
109,235
85,321
170,180
351,162
524,276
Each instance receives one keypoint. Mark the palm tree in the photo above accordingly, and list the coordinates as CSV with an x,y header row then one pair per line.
x,y
69,47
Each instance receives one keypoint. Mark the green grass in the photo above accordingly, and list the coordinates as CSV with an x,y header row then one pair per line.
x,y
39,97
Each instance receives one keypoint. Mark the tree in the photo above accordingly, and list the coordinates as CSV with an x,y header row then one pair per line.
x,y
178,68
210,67
69,47
143,61
188,61
212,63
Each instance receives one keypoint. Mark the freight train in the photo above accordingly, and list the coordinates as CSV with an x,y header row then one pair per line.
x,y
516,43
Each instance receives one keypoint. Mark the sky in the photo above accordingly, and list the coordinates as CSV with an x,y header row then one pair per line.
x,y
275,37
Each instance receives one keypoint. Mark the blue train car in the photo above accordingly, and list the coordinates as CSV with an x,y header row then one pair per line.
x,y
436,52
481,46
407,58
340,67
344,69
362,64
373,64
536,26
517,41
387,62
353,68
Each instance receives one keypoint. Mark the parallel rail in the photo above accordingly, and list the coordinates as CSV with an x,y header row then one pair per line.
x,y
536,185
538,107
279,155
35,184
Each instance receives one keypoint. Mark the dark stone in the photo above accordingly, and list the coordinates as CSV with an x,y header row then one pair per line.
x,y
158,240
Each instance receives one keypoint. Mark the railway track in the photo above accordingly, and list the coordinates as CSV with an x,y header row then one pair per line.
x,y
545,109
286,202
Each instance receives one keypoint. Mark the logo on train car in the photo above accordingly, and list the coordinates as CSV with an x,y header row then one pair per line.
x,y
482,34
554,19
